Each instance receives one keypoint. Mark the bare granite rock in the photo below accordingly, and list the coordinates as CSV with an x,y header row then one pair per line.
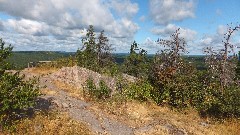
x,y
77,76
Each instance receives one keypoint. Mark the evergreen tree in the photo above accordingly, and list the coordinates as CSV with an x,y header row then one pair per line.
x,y
16,95
238,67
4,54
96,52
87,55
137,63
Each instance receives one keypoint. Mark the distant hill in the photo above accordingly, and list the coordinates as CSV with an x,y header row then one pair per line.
x,y
20,59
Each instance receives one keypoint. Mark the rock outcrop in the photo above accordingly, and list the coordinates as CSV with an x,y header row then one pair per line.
x,y
77,76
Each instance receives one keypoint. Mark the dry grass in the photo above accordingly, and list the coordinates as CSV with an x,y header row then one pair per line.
x,y
136,114
42,70
48,91
230,127
51,124
72,91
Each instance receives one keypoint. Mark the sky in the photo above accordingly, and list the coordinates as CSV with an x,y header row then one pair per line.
x,y
59,25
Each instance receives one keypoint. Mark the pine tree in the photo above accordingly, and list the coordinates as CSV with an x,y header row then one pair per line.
x,y
4,54
16,95
87,55
137,63
96,51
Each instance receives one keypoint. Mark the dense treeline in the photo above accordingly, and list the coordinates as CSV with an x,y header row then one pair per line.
x,y
20,60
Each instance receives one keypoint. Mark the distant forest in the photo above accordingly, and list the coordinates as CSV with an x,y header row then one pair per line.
x,y
20,59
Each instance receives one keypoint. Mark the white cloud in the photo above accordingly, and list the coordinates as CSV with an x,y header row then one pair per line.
x,y
187,34
151,46
124,8
221,30
166,11
216,40
65,20
206,41
24,26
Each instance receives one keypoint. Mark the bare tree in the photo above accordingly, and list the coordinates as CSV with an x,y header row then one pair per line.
x,y
168,61
220,64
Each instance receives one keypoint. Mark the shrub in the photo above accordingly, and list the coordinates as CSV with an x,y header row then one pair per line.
x,y
111,70
237,70
170,73
101,92
16,95
222,85
221,66
90,88
139,91
221,105
182,89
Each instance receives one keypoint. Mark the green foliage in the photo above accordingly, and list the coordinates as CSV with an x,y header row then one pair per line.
x,y
214,92
90,88
101,92
137,63
184,90
4,54
96,52
139,91
62,62
20,60
238,67
221,98
220,105
174,80
16,95
181,89
170,74
112,70
87,56
221,66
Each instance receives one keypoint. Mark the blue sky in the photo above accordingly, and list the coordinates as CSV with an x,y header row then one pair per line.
x,y
58,25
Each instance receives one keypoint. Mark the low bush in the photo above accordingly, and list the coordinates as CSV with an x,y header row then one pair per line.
x,y
16,94
139,91
220,105
100,92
